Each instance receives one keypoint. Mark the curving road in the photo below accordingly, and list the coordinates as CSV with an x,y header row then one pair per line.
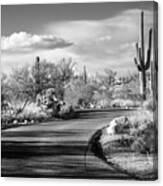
x,y
56,149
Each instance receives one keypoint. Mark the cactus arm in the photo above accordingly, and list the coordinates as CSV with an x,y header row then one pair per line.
x,y
150,38
137,50
138,66
148,60
141,58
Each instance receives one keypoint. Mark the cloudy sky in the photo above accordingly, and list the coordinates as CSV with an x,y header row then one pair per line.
x,y
96,35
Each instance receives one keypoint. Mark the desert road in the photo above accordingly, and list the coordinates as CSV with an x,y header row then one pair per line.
x,y
56,148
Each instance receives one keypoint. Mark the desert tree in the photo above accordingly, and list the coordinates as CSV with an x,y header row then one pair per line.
x,y
65,72
77,93
5,91
22,86
106,81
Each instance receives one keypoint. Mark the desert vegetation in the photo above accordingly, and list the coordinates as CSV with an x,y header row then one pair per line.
x,y
47,90
52,90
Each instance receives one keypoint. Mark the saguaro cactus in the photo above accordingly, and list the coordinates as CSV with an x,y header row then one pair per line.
x,y
85,74
37,75
140,61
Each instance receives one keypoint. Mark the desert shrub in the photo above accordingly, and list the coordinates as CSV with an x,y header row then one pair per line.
x,y
149,105
123,126
144,132
37,116
124,103
32,112
140,119
6,120
103,103
67,112
145,141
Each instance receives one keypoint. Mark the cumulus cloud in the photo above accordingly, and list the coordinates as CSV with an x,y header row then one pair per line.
x,y
25,42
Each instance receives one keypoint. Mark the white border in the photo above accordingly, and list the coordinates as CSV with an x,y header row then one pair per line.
x,y
81,182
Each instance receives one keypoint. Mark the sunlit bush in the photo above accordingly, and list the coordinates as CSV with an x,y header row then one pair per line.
x,y
32,112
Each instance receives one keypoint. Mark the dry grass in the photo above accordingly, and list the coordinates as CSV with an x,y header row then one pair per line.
x,y
141,165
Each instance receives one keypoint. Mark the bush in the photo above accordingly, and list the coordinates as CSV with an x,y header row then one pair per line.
x,y
103,103
37,116
6,120
32,112
67,112
149,105
124,103
144,132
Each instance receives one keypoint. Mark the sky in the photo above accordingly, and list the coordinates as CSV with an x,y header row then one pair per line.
x,y
97,35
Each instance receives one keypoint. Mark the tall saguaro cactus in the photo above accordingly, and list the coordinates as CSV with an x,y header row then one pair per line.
x,y
141,62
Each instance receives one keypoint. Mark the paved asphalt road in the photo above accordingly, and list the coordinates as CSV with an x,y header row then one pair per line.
x,y
56,149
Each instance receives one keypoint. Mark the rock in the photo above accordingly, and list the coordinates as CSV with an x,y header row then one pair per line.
x,y
15,122
117,128
32,121
118,125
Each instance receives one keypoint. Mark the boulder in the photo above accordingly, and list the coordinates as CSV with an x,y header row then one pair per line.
x,y
15,122
118,126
